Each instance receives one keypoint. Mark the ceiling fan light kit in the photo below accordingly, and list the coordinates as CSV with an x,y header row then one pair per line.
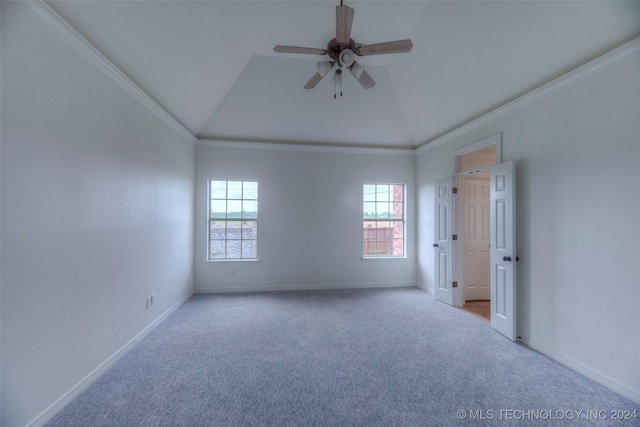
x,y
346,58
324,67
342,51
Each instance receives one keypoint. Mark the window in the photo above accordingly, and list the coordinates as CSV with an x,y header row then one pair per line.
x,y
233,220
383,220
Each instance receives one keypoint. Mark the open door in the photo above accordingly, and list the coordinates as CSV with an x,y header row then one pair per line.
x,y
443,246
503,246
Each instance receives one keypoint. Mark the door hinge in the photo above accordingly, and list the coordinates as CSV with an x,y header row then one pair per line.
x,y
455,284
454,237
454,190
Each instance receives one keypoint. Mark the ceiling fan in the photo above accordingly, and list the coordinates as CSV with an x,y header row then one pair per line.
x,y
342,51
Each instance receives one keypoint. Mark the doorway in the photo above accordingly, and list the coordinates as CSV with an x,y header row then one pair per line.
x,y
473,266
448,268
474,243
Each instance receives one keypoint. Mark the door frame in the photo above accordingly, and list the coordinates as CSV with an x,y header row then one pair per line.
x,y
495,139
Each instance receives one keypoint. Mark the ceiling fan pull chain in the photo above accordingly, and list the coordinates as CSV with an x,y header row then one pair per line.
x,y
337,82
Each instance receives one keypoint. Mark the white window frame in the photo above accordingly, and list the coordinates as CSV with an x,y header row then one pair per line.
x,y
402,220
242,219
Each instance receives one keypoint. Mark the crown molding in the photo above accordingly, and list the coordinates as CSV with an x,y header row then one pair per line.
x,y
54,22
309,148
592,67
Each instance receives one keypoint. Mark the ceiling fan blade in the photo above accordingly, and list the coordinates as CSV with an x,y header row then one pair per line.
x,y
313,81
323,70
296,49
344,19
362,76
325,67
397,46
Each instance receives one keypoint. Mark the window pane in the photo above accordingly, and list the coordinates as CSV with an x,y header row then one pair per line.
x,y
398,247
217,230
369,193
216,249
375,248
250,190
250,230
234,249
234,208
398,230
382,232
368,210
382,210
218,189
234,190
234,230
398,193
381,248
218,209
250,209
382,193
249,249
369,229
398,210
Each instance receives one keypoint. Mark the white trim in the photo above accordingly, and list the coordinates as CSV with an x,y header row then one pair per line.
x,y
54,22
50,19
57,406
310,148
600,378
495,139
473,172
597,65
309,287
427,289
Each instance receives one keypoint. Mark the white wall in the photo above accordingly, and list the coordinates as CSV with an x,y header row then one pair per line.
x,y
97,214
577,155
310,219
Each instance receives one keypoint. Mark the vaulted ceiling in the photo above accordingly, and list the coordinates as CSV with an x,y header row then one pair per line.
x,y
211,64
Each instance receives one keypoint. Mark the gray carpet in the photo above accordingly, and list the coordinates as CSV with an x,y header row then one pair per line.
x,y
386,357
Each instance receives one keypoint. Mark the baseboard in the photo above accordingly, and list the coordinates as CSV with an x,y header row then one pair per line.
x,y
308,287
600,378
57,406
427,289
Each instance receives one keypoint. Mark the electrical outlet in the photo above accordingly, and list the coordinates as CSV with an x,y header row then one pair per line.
x,y
153,298
148,302
233,272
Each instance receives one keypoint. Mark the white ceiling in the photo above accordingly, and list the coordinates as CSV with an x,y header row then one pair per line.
x,y
210,64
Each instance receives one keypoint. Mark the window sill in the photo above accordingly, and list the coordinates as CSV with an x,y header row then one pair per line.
x,y
368,258
233,260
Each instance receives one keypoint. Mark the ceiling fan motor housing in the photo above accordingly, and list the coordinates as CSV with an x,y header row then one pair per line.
x,y
335,51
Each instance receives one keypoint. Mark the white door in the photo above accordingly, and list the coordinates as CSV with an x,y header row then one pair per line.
x,y
503,244
475,239
443,245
